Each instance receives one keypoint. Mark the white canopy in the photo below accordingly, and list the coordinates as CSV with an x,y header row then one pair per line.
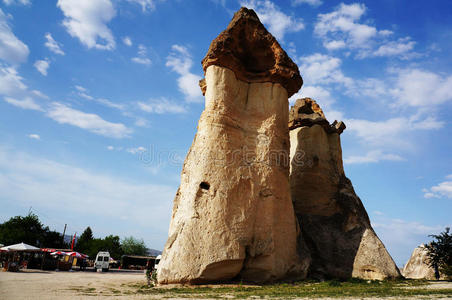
x,y
20,247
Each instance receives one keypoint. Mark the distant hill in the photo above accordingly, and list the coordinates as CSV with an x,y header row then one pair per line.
x,y
153,252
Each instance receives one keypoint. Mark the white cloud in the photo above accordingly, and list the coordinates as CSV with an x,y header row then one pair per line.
x,y
10,81
322,69
372,157
127,41
310,2
83,92
270,14
342,29
136,150
401,237
56,187
12,50
81,88
342,24
111,148
26,103
109,103
391,132
39,94
34,136
442,190
395,47
42,66
17,2
141,122
334,45
146,5
180,61
421,88
87,20
53,45
141,58
66,115
161,106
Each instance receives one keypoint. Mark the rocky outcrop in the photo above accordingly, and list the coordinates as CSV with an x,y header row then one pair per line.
x,y
333,220
417,266
248,49
232,215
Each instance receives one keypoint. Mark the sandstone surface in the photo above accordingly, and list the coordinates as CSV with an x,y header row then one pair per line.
x,y
333,220
232,216
417,266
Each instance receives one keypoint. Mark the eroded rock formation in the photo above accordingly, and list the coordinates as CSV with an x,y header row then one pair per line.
x,y
232,215
333,220
417,266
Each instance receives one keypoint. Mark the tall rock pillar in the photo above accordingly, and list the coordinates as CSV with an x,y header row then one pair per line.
x,y
334,223
232,215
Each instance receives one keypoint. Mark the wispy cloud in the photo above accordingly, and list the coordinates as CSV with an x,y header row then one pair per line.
x,y
180,61
87,20
127,41
53,45
441,190
146,5
34,136
42,66
136,150
56,186
83,92
314,3
271,15
26,103
11,83
161,106
372,157
141,57
402,236
17,2
66,115
12,50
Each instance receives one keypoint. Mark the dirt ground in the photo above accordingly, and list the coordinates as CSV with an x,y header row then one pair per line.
x,y
35,284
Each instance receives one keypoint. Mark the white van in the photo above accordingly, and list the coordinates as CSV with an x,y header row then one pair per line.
x,y
157,260
102,261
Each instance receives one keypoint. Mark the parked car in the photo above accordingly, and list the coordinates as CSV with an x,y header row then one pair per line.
x,y
102,261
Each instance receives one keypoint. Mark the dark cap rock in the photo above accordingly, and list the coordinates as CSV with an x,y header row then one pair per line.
x,y
252,53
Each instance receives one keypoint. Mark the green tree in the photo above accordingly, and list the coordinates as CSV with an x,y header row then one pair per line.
x,y
440,252
28,230
84,241
133,246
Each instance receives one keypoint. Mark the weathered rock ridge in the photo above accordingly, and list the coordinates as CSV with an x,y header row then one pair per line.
x,y
333,220
232,216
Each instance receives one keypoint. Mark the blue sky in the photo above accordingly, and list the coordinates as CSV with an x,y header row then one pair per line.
x,y
99,104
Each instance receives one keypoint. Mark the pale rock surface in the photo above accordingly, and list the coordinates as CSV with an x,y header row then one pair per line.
x,y
333,220
417,266
232,215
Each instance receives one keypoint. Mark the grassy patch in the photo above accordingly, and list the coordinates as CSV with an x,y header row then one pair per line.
x,y
351,288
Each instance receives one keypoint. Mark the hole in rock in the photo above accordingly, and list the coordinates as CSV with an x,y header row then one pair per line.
x,y
204,185
305,109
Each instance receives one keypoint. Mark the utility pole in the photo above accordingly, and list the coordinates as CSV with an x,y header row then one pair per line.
x,y
64,232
